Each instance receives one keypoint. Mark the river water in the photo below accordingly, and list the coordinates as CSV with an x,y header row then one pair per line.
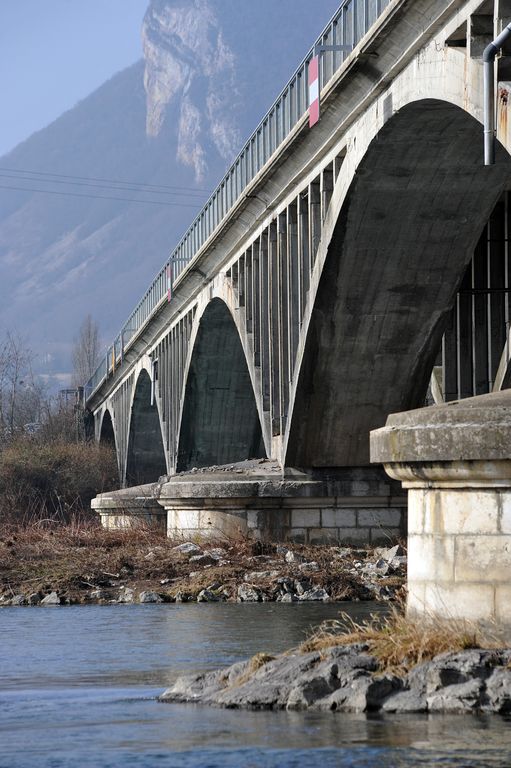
x,y
78,687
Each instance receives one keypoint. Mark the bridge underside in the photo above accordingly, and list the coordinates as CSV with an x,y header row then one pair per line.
x,y
220,422
146,457
407,230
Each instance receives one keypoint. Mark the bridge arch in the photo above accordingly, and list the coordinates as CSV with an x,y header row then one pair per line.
x,y
403,236
107,435
220,422
145,460
106,429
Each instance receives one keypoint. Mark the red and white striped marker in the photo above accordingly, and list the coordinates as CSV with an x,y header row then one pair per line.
x,y
169,282
313,91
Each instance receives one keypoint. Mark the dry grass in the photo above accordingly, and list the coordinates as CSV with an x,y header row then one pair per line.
x,y
80,556
255,663
400,643
55,480
73,557
77,557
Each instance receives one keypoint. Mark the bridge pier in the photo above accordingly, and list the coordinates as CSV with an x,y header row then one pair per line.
x,y
131,508
256,499
455,461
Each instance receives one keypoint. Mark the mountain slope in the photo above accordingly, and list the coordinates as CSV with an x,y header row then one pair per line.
x,y
176,118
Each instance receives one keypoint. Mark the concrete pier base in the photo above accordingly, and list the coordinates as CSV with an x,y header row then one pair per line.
x,y
234,501
455,461
256,499
131,508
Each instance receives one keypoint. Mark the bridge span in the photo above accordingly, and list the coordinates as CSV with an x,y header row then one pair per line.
x,y
338,274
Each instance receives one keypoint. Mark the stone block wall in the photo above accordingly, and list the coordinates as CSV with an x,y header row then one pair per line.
x,y
345,525
459,553
128,518
352,506
299,520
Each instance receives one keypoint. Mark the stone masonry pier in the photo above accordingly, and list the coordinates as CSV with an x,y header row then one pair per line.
x,y
455,461
256,499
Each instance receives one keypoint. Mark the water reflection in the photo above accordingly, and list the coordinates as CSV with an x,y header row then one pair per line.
x,y
78,688
146,644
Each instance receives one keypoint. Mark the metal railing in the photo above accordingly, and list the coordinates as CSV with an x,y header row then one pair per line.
x,y
347,27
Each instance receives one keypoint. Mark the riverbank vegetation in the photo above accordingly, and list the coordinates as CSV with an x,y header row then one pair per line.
x,y
82,563
52,480
399,642
394,665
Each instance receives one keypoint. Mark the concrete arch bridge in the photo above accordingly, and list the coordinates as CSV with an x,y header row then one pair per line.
x,y
338,274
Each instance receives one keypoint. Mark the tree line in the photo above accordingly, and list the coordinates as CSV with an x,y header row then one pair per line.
x,y
26,405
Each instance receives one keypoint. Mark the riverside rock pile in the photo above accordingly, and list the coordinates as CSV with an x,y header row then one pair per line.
x,y
346,679
163,571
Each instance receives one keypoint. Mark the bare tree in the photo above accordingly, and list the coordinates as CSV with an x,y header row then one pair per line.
x,y
85,356
21,395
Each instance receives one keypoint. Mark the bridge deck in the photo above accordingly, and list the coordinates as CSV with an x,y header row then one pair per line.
x,y
351,22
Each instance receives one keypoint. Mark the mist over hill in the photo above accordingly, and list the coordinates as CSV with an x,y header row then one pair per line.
x,y
78,233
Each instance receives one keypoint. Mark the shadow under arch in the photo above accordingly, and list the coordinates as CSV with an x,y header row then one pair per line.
x,y
146,456
220,423
107,434
406,231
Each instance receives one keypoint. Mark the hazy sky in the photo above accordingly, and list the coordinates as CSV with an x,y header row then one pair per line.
x,y
55,52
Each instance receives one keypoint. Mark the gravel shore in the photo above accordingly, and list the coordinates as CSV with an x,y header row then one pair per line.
x,y
78,566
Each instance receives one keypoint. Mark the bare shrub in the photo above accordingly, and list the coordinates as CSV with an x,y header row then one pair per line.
x,y
21,394
54,480
400,642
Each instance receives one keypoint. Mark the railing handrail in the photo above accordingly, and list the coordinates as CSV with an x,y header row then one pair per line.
x,y
185,251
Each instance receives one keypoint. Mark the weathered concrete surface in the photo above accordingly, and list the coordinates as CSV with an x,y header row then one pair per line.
x,y
455,461
146,456
346,679
130,507
470,430
220,422
257,499
415,208
260,500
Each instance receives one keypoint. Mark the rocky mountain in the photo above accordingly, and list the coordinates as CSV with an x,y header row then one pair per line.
x,y
78,231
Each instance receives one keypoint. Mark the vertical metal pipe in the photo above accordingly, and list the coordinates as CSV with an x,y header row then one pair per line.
x,y
489,55
489,119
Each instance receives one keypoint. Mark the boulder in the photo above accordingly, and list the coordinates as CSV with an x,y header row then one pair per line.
x,y
457,699
294,557
207,596
98,594
248,593
148,596
51,599
126,595
405,701
288,597
34,598
204,559
18,600
312,566
301,586
498,691
315,594
217,552
346,679
260,575
187,548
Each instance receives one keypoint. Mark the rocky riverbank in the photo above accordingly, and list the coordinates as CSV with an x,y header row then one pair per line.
x,y
65,566
347,679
